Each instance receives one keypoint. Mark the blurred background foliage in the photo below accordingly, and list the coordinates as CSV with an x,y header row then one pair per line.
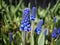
x,y
10,18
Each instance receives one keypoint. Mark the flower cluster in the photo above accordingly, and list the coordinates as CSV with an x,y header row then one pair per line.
x,y
33,15
39,26
25,23
10,37
54,33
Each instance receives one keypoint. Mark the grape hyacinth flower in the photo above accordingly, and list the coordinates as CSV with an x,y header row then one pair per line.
x,y
10,37
54,19
58,31
45,31
33,15
39,26
25,22
54,33
55,29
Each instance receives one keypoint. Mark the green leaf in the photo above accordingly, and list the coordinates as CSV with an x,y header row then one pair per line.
x,y
4,41
41,38
53,9
18,6
57,42
32,40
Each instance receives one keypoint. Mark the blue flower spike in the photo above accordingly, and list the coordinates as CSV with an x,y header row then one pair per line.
x,y
54,33
45,31
54,19
10,37
39,27
59,31
55,29
25,20
40,23
33,15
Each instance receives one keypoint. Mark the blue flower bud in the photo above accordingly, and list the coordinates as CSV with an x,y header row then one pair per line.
x,y
55,29
28,25
45,31
54,35
58,31
21,28
29,29
54,19
25,28
40,23
10,37
33,15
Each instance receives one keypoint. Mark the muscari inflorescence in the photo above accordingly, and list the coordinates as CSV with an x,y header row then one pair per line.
x,y
56,31
33,15
10,37
25,22
38,28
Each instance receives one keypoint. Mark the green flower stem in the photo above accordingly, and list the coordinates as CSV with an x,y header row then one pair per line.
x,y
24,37
32,34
